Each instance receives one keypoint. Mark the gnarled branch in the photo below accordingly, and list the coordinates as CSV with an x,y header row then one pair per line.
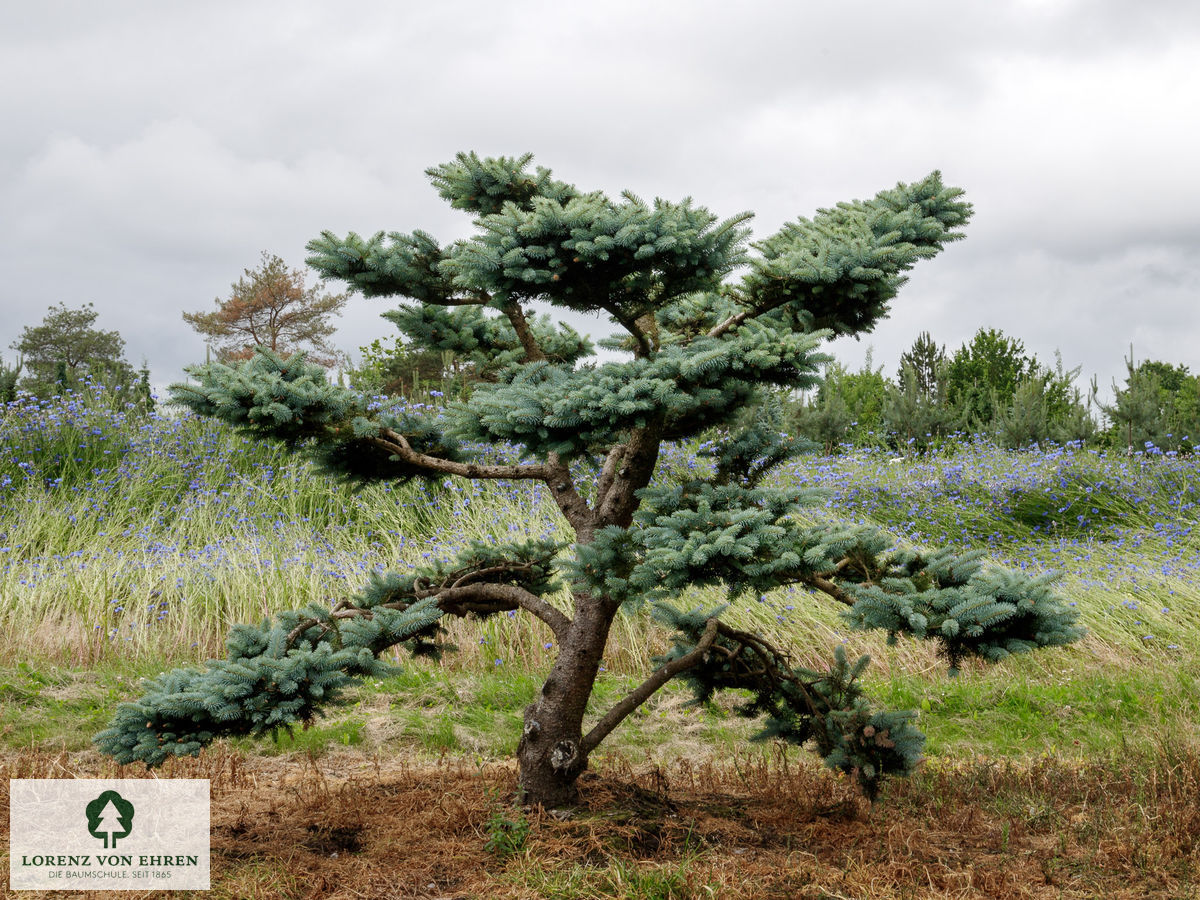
x,y
397,444
459,600
572,505
634,472
482,599
607,474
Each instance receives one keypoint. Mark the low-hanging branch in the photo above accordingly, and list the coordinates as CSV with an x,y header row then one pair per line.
x,y
823,584
485,599
481,587
480,599
647,688
767,667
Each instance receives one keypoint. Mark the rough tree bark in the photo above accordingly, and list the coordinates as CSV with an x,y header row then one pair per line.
x,y
551,754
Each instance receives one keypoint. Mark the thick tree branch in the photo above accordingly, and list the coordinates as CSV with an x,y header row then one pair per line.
x,y
397,444
826,586
344,609
646,689
611,464
478,300
773,666
634,473
516,315
734,321
572,505
459,600
643,342
487,598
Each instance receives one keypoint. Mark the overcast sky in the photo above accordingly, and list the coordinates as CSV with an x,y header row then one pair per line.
x,y
150,151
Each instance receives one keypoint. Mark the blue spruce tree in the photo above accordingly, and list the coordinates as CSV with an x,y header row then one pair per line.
x,y
709,324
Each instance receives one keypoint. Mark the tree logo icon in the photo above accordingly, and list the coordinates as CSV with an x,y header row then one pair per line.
x,y
110,816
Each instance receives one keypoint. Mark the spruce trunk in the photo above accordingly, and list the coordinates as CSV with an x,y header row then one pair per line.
x,y
550,755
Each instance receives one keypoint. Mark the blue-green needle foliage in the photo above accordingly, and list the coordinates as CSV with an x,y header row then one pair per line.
x,y
486,342
272,678
280,673
800,705
967,610
290,400
710,325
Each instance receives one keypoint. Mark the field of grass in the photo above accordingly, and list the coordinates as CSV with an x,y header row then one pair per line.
x,y
129,543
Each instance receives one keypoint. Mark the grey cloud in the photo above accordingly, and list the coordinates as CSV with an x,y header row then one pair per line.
x,y
152,150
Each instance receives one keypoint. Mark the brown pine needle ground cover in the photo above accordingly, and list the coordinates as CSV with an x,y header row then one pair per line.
x,y
762,825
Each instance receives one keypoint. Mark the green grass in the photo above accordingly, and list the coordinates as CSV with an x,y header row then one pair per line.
x,y
1024,708
616,878
51,706
314,740
1020,709
425,710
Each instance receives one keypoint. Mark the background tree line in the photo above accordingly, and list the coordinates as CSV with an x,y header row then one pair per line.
x,y
269,306
992,387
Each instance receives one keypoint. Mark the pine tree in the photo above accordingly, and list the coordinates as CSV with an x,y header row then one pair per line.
x,y
1046,406
405,371
848,407
917,417
271,307
1158,408
703,346
8,381
927,361
825,419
